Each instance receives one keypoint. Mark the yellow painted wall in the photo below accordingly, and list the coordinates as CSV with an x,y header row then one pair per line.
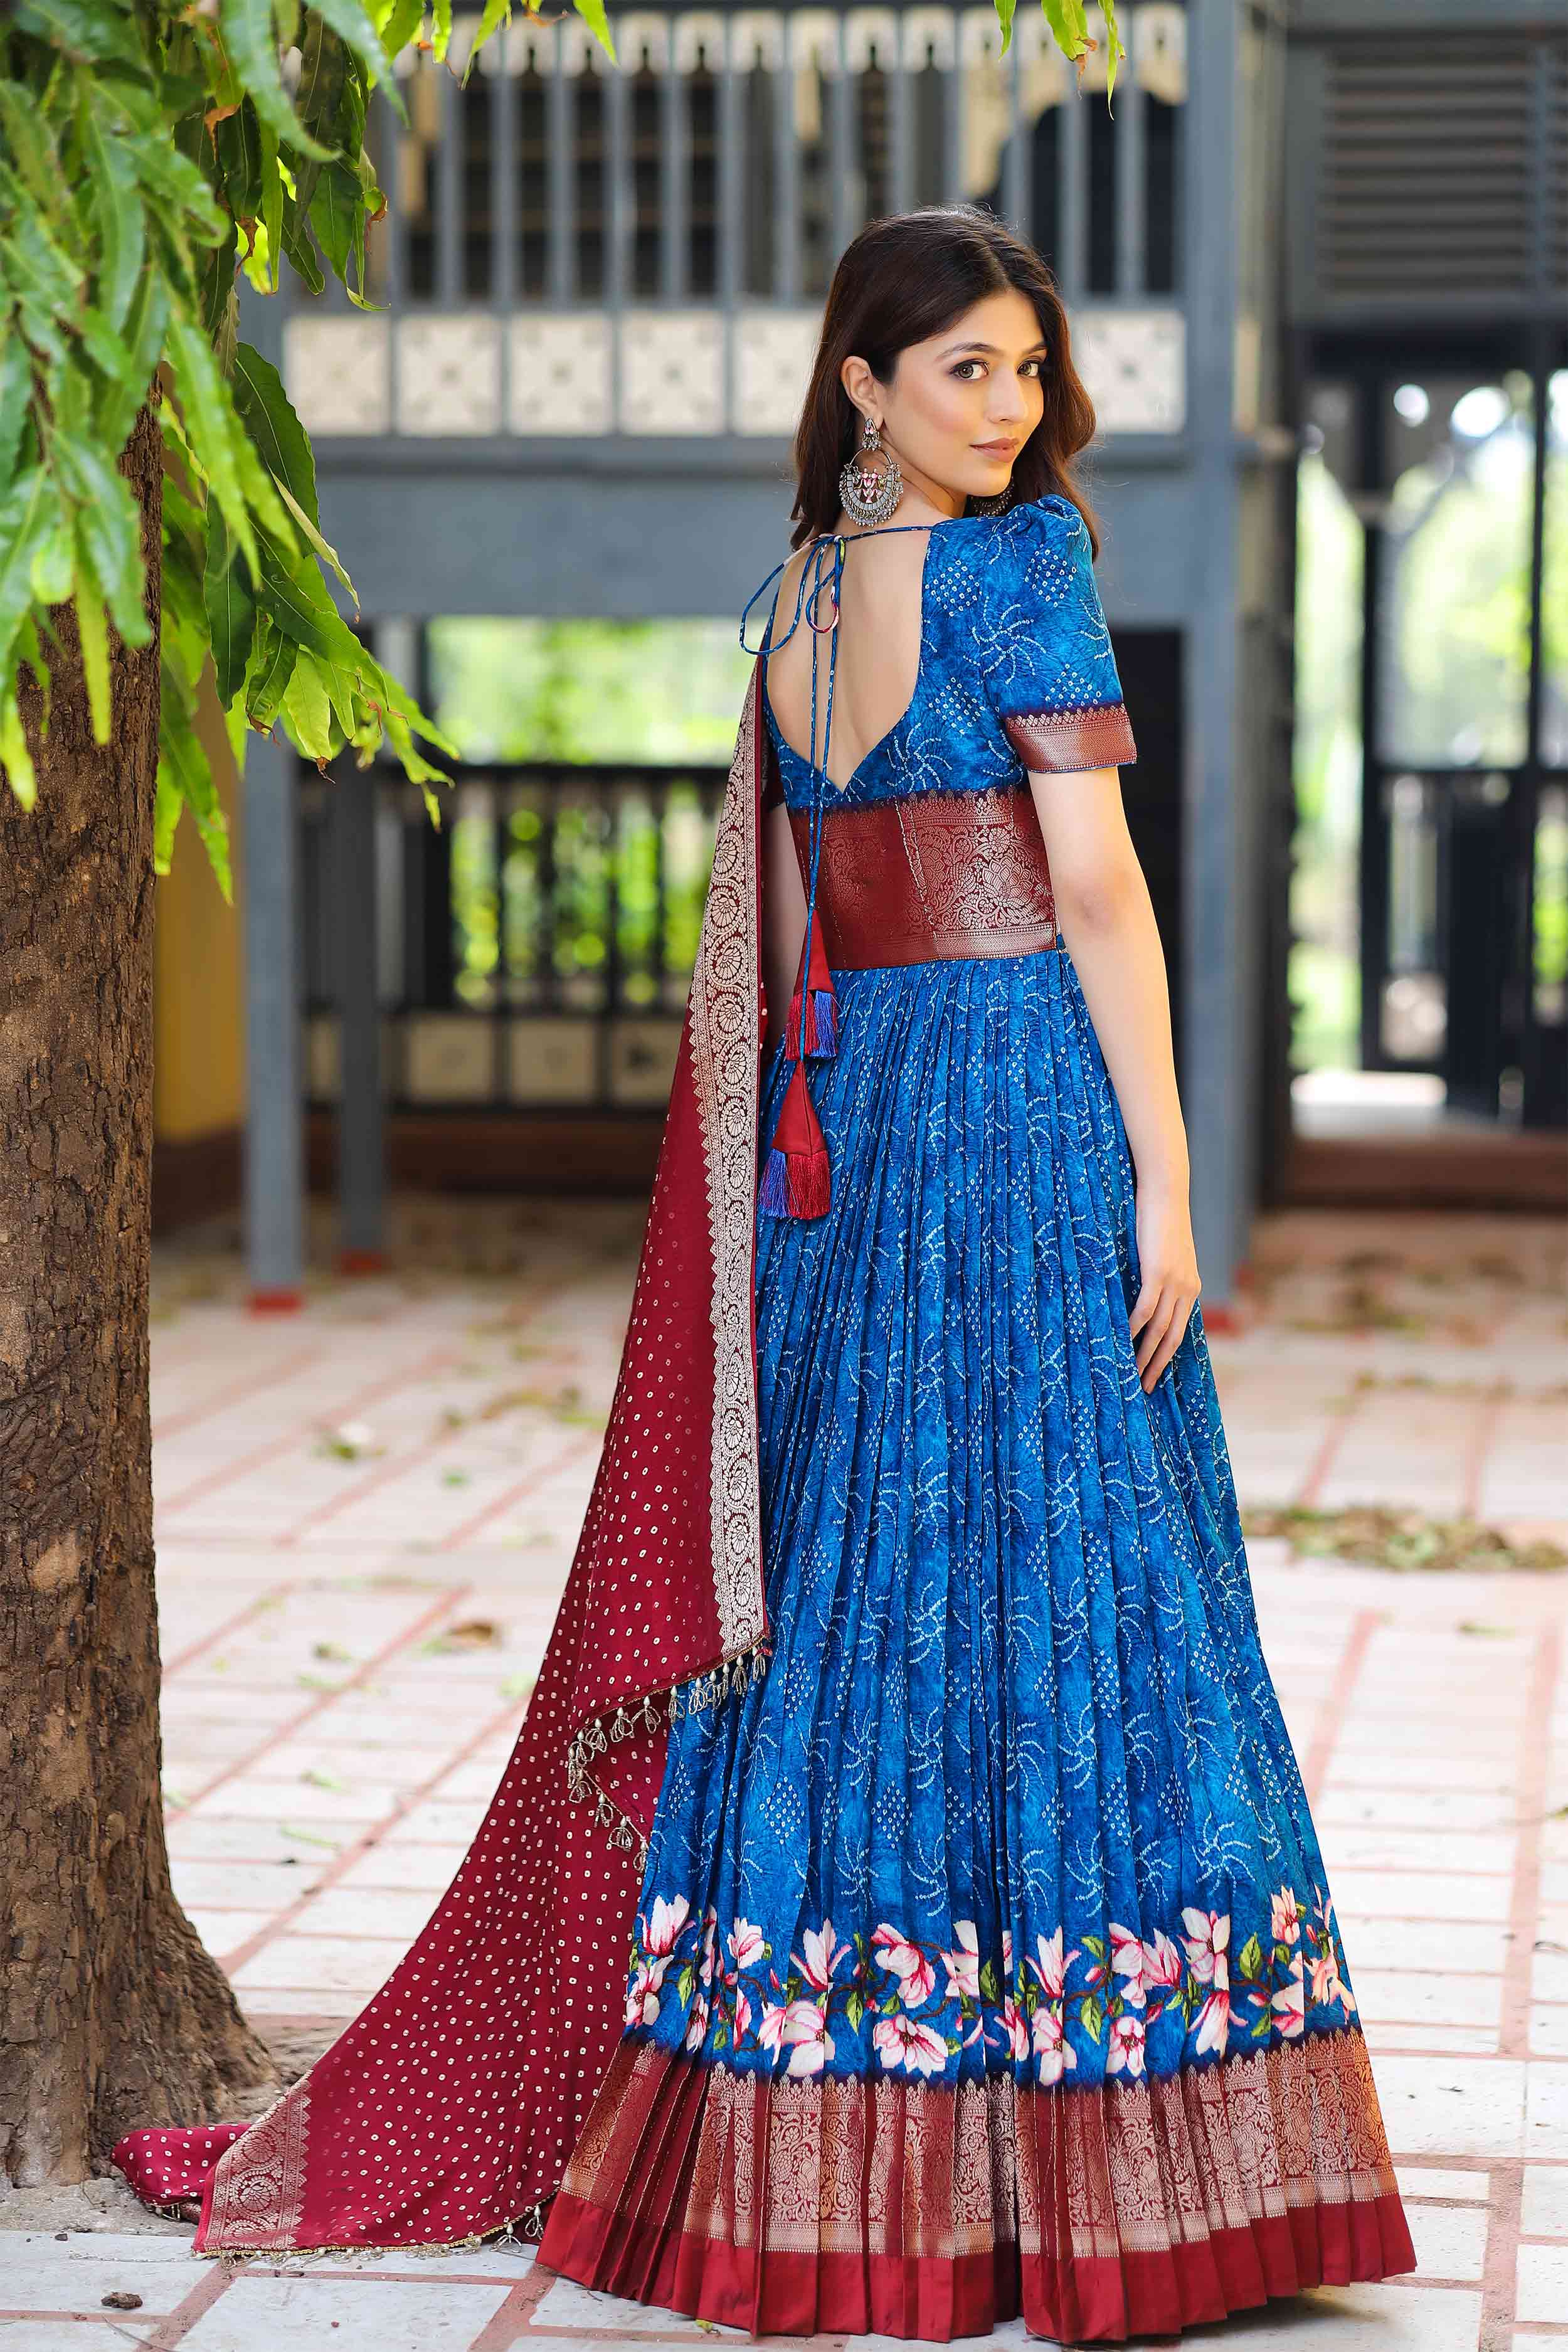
x,y
198,1007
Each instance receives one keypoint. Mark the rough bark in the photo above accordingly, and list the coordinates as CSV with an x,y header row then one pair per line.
x,y
111,2013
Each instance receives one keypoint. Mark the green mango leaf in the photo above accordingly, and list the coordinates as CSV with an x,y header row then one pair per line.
x,y
109,530
1068,21
53,570
212,430
229,604
271,668
141,332
102,345
296,248
401,25
25,135
236,141
328,554
27,516
592,15
30,656
93,632
37,267
85,29
352,26
15,756
185,778
15,390
116,213
337,215
319,99
307,710
252,43
496,13
440,29
281,442
1113,51
1006,10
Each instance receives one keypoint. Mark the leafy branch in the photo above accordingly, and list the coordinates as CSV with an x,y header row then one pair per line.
x,y
150,150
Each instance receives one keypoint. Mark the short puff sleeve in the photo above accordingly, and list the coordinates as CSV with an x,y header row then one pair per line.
x,y
1051,670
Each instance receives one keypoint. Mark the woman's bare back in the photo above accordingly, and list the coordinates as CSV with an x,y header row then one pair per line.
x,y
879,651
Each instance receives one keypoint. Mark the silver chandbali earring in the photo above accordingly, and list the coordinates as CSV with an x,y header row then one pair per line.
x,y
869,495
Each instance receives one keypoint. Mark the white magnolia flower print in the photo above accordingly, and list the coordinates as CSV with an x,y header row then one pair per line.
x,y
747,1944
904,2042
697,2024
1128,2036
1127,1962
1290,2003
805,2035
962,1965
1050,1965
642,1995
819,1955
1162,1963
1286,1921
1054,2052
665,1922
1110,2004
1208,1940
908,1963
1327,1982
771,2026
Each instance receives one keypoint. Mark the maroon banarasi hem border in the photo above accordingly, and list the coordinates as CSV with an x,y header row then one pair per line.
x,y
906,2209
1061,742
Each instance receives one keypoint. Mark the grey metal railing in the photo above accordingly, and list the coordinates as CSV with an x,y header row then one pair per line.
x,y
573,246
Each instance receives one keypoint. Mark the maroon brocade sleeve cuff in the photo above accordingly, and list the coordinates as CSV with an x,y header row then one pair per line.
x,y
1059,742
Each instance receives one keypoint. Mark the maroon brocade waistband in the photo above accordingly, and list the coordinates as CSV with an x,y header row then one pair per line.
x,y
937,875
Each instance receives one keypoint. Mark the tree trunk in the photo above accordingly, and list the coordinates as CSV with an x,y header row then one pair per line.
x,y
111,2013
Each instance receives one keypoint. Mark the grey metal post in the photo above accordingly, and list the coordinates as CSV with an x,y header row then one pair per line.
x,y
274,1120
1217,1047
361,1142
274,1149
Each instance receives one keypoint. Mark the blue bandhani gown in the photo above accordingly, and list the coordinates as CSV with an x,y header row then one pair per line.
x,y
985,1960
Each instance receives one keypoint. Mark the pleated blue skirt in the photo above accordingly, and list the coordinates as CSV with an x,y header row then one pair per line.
x,y
1015,1793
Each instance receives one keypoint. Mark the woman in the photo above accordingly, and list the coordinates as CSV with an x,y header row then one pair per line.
x,y
983,1960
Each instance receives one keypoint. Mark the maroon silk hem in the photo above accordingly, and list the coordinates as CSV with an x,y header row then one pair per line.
x,y
883,2206
449,2109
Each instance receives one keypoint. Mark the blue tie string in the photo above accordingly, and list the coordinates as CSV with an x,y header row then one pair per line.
x,y
807,600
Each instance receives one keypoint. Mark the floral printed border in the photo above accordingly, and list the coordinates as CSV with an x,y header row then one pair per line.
x,y
926,2002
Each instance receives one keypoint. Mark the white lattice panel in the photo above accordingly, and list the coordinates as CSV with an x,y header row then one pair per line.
x,y
337,373
1134,365
672,372
552,1060
642,1060
774,353
561,374
448,373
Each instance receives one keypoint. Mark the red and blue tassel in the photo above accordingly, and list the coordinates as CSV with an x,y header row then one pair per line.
x,y
796,1181
818,1018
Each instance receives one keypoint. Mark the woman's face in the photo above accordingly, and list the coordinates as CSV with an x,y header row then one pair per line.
x,y
961,405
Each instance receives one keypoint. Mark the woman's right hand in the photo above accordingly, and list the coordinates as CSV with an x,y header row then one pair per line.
x,y
1168,1265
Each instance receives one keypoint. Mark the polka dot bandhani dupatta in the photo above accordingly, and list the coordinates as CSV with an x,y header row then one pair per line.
x,y
448,2110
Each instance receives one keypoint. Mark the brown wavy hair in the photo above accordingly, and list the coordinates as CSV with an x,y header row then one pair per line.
x,y
903,279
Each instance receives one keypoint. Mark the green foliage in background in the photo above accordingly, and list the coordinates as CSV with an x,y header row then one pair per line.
x,y
149,150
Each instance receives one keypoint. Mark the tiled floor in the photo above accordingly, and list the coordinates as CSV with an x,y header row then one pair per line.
x,y
365,1514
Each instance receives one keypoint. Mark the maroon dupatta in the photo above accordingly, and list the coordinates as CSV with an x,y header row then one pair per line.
x,y
449,2109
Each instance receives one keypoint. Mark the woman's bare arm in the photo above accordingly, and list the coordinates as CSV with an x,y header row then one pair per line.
x,y
1108,923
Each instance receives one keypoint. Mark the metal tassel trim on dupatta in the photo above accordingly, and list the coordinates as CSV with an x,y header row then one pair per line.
x,y
600,1733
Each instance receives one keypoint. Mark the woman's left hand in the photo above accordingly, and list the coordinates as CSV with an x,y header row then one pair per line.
x,y
1168,1262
